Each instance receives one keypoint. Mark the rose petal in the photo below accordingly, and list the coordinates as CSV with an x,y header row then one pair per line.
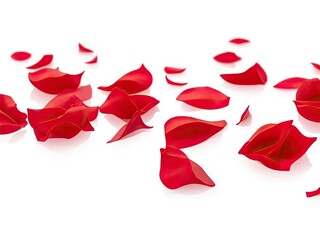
x,y
44,61
178,170
93,60
20,56
174,83
313,193
182,131
239,41
204,97
134,124
227,57
291,83
11,119
316,65
84,49
244,115
173,70
254,75
53,81
277,146
133,82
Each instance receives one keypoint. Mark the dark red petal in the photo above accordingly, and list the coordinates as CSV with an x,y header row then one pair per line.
x,y
177,170
44,61
53,81
291,83
11,119
254,75
174,83
316,65
93,60
173,70
20,56
182,131
313,193
227,57
239,41
244,115
204,97
133,82
134,124
84,49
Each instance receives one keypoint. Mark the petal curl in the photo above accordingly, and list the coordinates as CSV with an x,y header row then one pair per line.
x,y
313,193
84,49
291,83
93,60
244,115
227,57
173,70
174,83
44,61
316,65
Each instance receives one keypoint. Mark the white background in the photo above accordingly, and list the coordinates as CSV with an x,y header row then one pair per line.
x,y
86,189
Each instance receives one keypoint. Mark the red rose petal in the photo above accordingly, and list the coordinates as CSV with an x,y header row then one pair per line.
x,y
254,75
277,146
93,60
11,119
182,132
239,41
204,97
84,49
44,61
53,81
178,170
291,83
316,65
227,57
173,70
134,124
174,83
133,82
244,115
20,56
313,193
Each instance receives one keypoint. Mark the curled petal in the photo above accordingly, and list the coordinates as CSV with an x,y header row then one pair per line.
x,y
177,170
277,146
204,97
84,49
173,70
134,124
254,75
239,41
133,82
53,81
182,131
313,193
93,60
44,61
227,57
244,115
174,83
11,119
316,65
20,56
291,83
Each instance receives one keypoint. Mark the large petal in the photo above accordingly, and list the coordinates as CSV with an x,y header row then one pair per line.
x,y
291,83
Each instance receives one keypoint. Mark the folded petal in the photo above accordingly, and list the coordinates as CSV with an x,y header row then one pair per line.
x,y
173,70
244,115
227,57
93,60
84,49
44,61
291,83
174,83
177,170
239,41
20,56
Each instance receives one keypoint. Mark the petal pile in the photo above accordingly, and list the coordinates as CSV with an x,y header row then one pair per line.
x,y
291,83
44,61
20,56
277,146
227,57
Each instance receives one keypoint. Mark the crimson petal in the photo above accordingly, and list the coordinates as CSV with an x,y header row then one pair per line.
x,y
44,61
291,83
316,65
53,81
174,83
134,124
227,57
173,70
20,56
93,60
254,75
313,193
183,131
239,41
11,119
204,97
177,170
84,49
133,82
244,115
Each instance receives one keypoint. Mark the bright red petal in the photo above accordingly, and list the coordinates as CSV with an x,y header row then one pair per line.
x,y
239,41
313,193
254,75
182,132
134,124
227,57
53,81
84,49
173,70
20,56
174,83
44,61
291,83
178,170
204,97
316,65
244,115
93,60
11,119
133,82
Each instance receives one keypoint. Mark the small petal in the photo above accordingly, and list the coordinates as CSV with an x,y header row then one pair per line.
x,y
239,41
313,193
44,61
316,65
174,83
291,83
84,49
20,56
93,60
173,70
227,57
244,115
